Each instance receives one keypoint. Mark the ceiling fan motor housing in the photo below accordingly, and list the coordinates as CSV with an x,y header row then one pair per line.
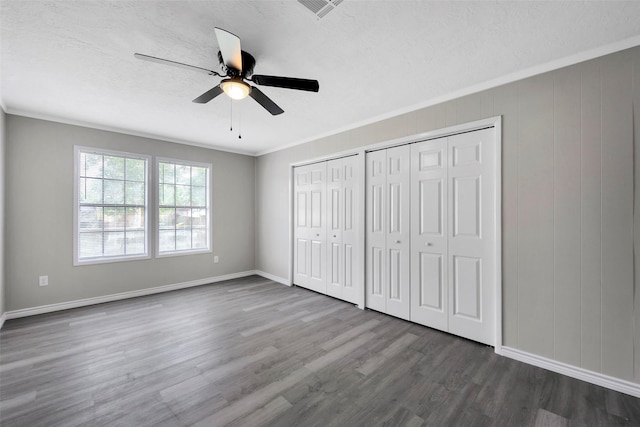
x,y
248,62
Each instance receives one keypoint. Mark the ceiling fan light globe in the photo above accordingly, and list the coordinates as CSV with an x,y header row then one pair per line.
x,y
235,89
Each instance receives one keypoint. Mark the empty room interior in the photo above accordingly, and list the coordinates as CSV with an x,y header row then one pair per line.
x,y
319,213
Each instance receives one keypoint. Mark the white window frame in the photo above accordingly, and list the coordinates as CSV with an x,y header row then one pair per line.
x,y
76,203
181,252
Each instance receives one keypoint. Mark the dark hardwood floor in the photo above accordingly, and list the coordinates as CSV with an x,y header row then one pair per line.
x,y
251,352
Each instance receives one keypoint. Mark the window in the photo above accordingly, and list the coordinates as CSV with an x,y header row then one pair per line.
x,y
183,207
110,218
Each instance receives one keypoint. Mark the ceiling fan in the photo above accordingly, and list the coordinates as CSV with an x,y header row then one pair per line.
x,y
237,66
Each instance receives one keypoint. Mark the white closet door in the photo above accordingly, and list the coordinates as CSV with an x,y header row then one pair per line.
x,y
310,230
398,231
352,239
429,288
471,232
376,175
388,227
335,224
344,243
301,245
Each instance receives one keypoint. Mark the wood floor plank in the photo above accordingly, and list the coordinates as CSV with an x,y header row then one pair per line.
x,y
253,352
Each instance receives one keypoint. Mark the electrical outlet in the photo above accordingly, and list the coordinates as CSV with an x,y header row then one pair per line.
x,y
43,280
216,259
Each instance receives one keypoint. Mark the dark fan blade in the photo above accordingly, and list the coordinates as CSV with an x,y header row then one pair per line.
x,y
208,95
286,82
265,101
230,48
175,64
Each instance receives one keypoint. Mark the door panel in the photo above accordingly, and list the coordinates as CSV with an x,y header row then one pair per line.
x,y
429,287
398,232
334,266
335,262
395,207
395,274
430,205
349,266
301,254
352,238
472,237
466,206
343,234
375,230
310,227
467,287
377,208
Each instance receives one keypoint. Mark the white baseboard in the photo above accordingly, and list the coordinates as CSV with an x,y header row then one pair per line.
x,y
32,311
592,377
273,277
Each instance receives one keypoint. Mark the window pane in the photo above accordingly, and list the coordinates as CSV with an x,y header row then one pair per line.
x,y
135,242
135,218
199,237
114,218
198,196
135,169
114,243
167,240
183,239
167,173
183,195
167,195
134,193
90,218
198,176
199,217
183,174
167,218
92,165
90,245
113,167
113,192
82,193
91,190
183,218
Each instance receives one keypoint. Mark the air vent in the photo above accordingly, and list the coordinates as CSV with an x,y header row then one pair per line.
x,y
320,7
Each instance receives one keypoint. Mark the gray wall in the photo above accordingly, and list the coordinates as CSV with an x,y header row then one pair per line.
x,y
568,206
2,204
39,216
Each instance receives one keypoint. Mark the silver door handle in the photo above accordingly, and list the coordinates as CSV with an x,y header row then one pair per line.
x,y
398,241
334,236
429,244
318,235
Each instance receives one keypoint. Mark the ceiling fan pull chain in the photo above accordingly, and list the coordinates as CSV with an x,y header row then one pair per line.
x,y
230,115
240,122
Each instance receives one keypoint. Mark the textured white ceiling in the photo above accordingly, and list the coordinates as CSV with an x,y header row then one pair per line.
x,y
72,61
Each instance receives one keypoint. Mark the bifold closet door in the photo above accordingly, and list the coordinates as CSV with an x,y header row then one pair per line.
x,y
310,227
387,258
344,248
453,247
